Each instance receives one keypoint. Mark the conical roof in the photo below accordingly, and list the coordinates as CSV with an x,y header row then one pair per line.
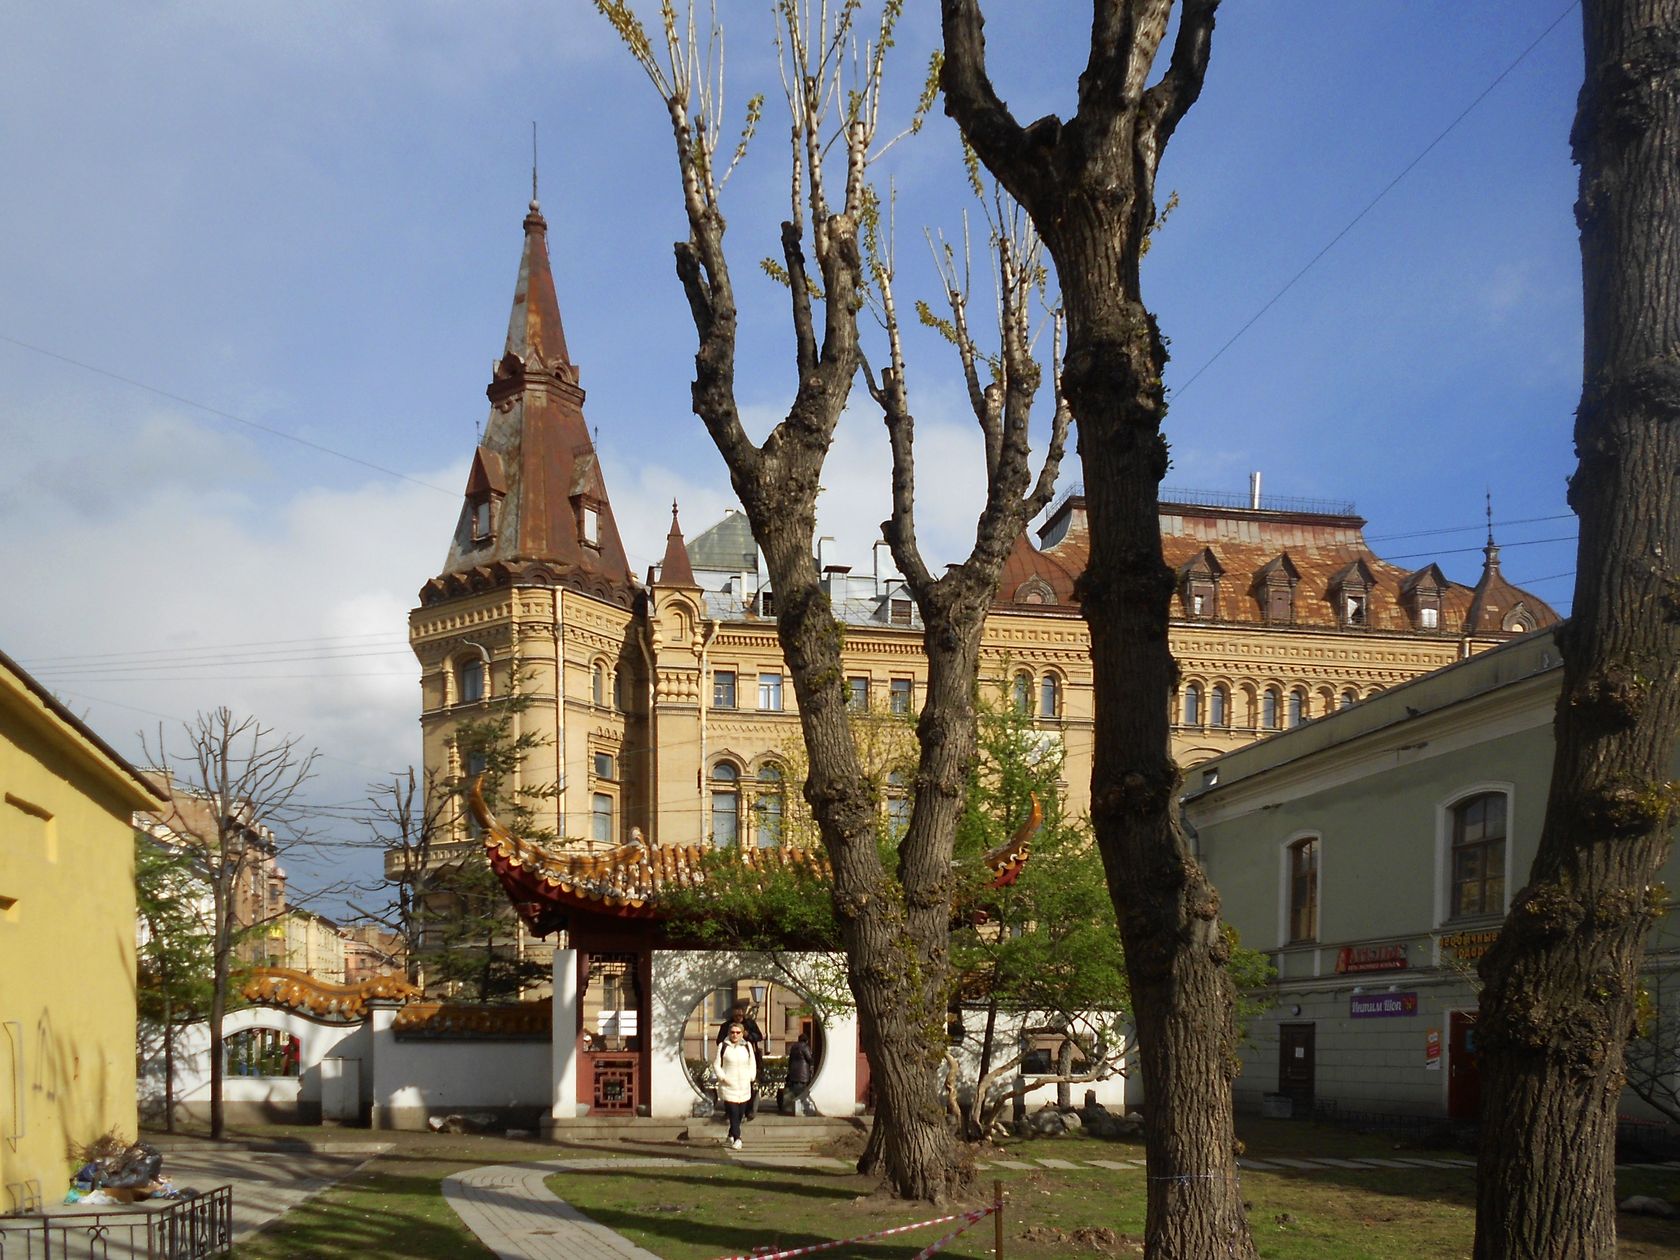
x,y
549,520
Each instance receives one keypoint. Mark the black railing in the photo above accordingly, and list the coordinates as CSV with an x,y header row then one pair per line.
x,y
1233,499
183,1229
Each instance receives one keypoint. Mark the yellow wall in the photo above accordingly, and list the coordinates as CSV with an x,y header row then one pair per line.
x,y
67,915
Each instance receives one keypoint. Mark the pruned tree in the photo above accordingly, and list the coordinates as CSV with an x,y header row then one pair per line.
x,y
235,799
1088,184
1562,979
893,916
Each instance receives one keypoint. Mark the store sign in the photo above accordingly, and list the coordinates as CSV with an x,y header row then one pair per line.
x,y
1468,946
1371,958
1381,1005
1432,1050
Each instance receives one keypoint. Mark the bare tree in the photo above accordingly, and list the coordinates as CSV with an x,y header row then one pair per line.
x,y
894,922
411,818
1562,979
1088,183
234,799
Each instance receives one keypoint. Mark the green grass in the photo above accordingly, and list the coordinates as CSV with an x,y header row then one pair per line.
x,y
388,1208
709,1210
711,1207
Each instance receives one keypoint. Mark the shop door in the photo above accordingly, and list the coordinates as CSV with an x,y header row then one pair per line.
x,y
1295,1065
1464,1069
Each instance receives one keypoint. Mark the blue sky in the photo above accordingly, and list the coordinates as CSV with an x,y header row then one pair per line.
x,y
307,217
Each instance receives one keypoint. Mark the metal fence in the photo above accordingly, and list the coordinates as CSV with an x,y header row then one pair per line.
x,y
185,1229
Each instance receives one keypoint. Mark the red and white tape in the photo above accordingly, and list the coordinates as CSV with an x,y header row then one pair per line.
x,y
967,1219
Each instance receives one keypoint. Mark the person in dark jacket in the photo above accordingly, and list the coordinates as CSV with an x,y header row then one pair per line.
x,y
801,1068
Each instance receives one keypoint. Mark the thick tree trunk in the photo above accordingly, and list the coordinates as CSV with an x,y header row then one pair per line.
x,y
1088,184
1182,997
894,935
1563,978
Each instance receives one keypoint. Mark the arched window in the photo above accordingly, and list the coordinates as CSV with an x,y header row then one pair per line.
x,y
768,808
1348,700
1297,707
1049,696
1023,692
726,805
1478,855
1303,890
469,673
618,689
1192,705
598,682
1269,709
261,1052
1219,707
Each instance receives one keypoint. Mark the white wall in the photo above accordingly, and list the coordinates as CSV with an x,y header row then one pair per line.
x,y
274,1097
681,978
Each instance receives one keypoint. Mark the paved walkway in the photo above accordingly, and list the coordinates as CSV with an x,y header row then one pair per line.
x,y
518,1217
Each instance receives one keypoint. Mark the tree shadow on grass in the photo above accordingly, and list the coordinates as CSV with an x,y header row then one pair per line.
x,y
729,1240
377,1214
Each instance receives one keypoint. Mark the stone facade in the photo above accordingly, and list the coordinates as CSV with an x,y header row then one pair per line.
x,y
662,710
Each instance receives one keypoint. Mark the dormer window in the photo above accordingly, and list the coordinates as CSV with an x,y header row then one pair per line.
x,y
481,520
1421,593
1199,584
1274,587
486,485
590,525
1350,593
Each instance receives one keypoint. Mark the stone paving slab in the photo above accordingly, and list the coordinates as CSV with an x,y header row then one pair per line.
x,y
1060,1163
519,1218
1358,1164
1296,1163
1117,1165
1258,1165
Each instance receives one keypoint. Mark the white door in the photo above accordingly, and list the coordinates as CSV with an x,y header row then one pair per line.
x,y
341,1087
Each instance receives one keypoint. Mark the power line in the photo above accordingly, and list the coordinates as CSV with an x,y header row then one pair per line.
x,y
222,647
1454,551
1465,529
1371,205
221,414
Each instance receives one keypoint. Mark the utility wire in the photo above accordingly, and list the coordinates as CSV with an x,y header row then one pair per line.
x,y
1371,205
1465,529
221,414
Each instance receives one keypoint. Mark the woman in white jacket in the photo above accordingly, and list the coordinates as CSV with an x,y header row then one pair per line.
x,y
736,1067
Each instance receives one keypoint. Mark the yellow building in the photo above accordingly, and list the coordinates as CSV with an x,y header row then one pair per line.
x,y
67,1012
662,709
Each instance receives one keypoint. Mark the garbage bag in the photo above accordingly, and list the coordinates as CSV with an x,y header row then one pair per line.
x,y
89,1176
137,1166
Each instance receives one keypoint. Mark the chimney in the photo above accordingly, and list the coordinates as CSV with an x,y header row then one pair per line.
x,y
1254,490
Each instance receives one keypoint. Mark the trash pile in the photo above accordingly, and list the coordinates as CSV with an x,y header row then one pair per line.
x,y
114,1171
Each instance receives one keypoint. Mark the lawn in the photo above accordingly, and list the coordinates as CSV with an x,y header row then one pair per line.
x,y
705,1211
714,1207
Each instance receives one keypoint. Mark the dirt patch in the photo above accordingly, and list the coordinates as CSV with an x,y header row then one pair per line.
x,y
1097,1238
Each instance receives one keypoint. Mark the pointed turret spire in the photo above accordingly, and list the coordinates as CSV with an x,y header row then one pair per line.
x,y
676,569
1490,553
535,333
536,510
